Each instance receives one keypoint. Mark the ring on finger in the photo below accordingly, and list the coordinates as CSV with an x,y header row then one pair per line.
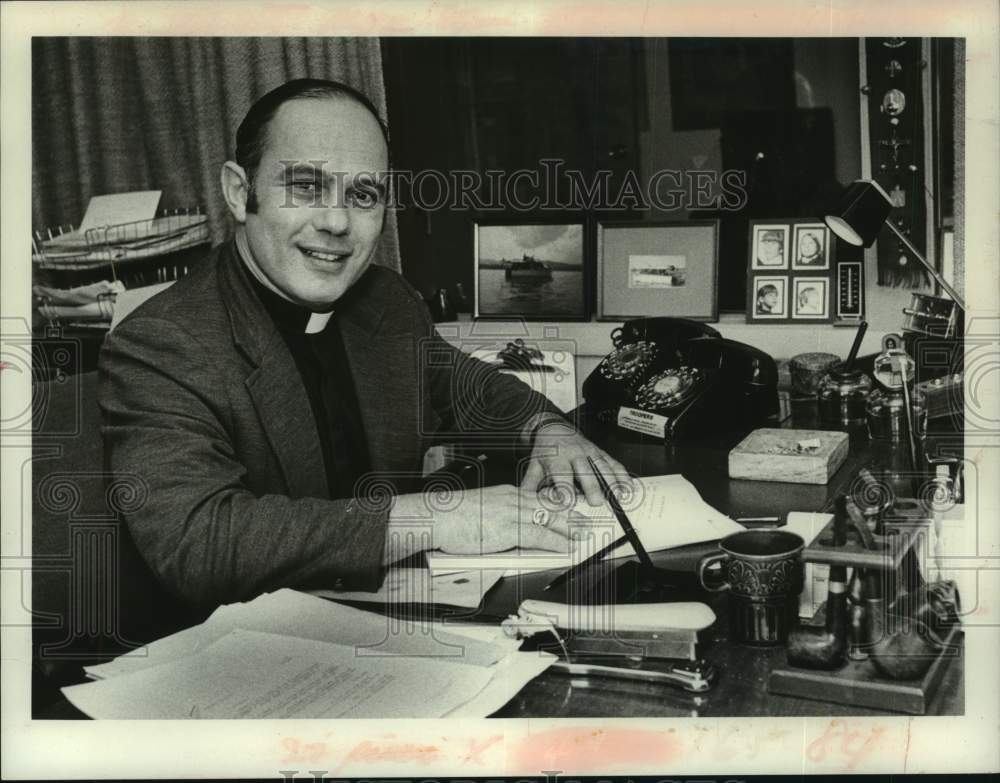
x,y
541,517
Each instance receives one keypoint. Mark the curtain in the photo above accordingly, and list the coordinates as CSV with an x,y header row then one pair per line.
x,y
959,188
112,115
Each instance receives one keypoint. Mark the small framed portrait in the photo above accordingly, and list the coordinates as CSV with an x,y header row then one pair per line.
x,y
770,298
811,247
810,298
530,270
769,246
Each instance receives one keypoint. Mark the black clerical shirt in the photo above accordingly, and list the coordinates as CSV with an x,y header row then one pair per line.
x,y
326,375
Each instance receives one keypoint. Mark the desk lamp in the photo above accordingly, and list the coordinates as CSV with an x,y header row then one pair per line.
x,y
862,211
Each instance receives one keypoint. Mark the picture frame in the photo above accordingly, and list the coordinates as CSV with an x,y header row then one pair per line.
x,y
800,251
668,268
769,246
810,247
771,297
531,270
810,298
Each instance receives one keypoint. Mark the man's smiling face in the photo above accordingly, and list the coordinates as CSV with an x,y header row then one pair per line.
x,y
320,200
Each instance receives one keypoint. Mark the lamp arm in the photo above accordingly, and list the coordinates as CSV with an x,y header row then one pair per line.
x,y
939,279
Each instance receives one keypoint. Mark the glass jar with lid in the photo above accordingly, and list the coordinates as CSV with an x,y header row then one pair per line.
x,y
843,397
886,414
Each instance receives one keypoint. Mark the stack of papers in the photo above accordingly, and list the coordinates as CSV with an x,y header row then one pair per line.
x,y
292,655
666,511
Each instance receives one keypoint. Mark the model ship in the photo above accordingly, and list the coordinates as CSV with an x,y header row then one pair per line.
x,y
670,276
527,269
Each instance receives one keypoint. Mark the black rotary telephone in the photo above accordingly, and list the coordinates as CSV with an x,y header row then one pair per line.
x,y
678,379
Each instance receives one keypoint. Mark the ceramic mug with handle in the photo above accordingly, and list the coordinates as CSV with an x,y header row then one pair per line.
x,y
762,572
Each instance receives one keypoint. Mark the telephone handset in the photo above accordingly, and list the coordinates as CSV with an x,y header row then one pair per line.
x,y
676,378
642,347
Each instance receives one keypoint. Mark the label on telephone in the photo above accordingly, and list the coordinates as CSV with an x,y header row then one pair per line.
x,y
642,421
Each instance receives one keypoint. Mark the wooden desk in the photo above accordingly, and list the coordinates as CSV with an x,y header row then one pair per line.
x,y
743,670
741,690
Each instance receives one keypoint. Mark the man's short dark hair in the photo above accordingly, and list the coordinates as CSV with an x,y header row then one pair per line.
x,y
251,136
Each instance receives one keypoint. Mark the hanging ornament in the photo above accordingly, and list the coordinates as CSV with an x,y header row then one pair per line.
x,y
893,88
894,102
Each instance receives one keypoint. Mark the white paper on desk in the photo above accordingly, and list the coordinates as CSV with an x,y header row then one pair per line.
x,y
305,616
116,208
248,674
510,675
815,576
416,586
666,512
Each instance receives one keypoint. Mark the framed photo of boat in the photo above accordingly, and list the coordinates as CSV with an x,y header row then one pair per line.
x,y
530,270
658,269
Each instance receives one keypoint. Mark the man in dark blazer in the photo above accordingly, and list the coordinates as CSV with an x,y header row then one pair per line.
x,y
277,401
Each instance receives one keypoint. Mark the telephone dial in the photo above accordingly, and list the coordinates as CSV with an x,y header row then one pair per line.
x,y
678,379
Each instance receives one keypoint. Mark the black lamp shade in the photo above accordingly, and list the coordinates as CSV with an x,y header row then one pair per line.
x,y
860,213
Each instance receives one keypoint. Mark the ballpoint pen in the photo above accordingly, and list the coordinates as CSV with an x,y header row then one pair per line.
x,y
583,565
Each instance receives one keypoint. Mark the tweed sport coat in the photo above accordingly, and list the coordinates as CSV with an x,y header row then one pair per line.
x,y
202,399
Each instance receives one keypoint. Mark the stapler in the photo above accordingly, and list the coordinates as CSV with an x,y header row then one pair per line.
x,y
665,635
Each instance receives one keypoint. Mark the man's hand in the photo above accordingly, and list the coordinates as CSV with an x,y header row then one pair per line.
x,y
492,519
559,451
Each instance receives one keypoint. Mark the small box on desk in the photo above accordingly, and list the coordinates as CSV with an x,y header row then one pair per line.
x,y
798,456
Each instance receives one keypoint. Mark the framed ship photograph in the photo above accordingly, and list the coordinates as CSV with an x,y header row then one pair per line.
x,y
530,270
658,269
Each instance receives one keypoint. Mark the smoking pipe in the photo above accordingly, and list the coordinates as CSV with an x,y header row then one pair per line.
x,y
825,648
921,620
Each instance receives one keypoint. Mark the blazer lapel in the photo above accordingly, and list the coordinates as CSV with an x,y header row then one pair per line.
x,y
385,370
285,414
275,386
383,367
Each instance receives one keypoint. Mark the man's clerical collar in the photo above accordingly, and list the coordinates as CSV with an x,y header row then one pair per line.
x,y
284,311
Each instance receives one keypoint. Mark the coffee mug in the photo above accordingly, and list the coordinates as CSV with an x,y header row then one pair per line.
x,y
762,571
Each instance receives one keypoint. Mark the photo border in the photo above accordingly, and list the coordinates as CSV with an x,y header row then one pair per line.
x,y
793,297
833,744
709,314
797,228
752,310
769,225
513,221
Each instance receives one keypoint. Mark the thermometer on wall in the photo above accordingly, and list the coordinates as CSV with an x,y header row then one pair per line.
x,y
850,293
